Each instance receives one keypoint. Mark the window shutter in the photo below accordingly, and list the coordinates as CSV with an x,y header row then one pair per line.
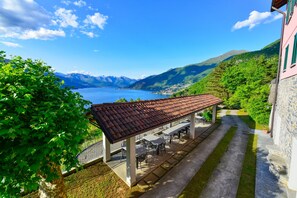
x,y
289,10
286,58
294,55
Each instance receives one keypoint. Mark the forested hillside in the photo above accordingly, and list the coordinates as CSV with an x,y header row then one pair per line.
x,y
182,76
242,82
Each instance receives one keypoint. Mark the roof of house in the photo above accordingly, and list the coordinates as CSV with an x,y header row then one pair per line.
x,y
278,3
123,120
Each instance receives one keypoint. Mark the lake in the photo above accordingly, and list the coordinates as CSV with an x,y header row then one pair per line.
x,y
108,95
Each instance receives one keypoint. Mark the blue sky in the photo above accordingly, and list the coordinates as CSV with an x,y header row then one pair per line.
x,y
133,38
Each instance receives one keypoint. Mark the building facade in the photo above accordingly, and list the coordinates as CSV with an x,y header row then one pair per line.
x,y
284,119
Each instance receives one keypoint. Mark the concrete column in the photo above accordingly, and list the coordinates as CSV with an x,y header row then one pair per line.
x,y
131,162
214,114
192,126
106,149
292,184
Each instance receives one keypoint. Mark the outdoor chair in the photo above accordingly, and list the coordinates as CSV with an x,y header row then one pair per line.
x,y
166,138
142,158
162,147
152,149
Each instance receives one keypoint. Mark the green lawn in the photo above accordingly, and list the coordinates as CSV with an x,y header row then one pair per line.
x,y
199,181
244,116
96,181
94,135
246,188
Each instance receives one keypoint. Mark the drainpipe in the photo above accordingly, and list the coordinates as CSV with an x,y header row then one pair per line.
x,y
278,68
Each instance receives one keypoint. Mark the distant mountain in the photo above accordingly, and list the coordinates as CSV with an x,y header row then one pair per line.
x,y
76,80
182,76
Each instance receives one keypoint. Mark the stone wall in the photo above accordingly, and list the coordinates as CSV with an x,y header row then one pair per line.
x,y
286,114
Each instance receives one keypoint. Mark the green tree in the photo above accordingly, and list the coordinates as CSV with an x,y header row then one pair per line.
x,y
121,100
41,127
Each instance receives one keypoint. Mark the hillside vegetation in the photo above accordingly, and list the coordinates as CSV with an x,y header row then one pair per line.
x,y
181,76
242,81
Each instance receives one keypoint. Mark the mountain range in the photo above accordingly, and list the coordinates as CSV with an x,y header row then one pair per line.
x,y
178,78
77,80
169,81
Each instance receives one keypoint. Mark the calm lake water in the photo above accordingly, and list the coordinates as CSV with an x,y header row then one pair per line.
x,y
108,95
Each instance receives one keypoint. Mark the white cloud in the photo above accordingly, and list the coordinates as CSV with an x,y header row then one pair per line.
x,y
256,18
42,34
80,3
89,34
10,44
66,2
66,18
96,19
95,50
23,14
26,19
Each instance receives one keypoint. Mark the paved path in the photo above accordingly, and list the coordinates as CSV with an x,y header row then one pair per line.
x,y
225,178
267,185
172,184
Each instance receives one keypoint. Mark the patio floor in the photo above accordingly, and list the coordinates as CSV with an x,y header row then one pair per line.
x,y
160,164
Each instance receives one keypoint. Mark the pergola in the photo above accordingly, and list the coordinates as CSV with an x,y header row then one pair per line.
x,y
123,121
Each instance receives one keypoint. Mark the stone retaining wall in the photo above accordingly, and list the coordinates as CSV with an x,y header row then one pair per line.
x,y
285,121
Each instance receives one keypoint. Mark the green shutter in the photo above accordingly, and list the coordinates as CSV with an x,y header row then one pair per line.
x,y
289,10
286,58
294,55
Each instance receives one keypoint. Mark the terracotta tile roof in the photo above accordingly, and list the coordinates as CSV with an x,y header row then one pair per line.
x,y
122,120
278,4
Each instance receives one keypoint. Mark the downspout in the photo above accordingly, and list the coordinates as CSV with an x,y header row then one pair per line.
x,y
278,68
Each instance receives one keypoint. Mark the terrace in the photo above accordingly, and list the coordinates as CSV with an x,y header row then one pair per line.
x,y
151,132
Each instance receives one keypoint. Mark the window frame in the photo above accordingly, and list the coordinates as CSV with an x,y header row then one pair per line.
x,y
286,58
294,53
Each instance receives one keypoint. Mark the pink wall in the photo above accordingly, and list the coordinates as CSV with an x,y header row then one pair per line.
x,y
289,33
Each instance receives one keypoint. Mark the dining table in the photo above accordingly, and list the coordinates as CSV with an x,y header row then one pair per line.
x,y
154,140
176,129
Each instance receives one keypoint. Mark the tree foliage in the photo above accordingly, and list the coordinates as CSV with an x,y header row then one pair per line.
x,y
242,82
41,124
125,100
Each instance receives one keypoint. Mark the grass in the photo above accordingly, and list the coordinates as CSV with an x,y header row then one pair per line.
x,y
96,181
246,188
244,116
199,181
94,135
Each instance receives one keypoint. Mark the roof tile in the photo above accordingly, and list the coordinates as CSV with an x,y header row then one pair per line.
x,y
122,120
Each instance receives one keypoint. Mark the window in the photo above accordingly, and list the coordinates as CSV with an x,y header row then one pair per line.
x,y
286,58
294,55
290,9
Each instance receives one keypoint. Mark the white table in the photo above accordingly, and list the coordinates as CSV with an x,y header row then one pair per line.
x,y
155,140
175,130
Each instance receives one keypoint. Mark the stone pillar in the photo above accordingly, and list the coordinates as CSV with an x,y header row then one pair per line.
x,y
292,184
130,162
192,126
106,149
214,114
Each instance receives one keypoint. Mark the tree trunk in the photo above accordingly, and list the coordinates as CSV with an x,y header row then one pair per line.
x,y
55,188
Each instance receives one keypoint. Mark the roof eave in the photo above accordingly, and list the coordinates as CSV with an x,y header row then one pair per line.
x,y
112,141
277,4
